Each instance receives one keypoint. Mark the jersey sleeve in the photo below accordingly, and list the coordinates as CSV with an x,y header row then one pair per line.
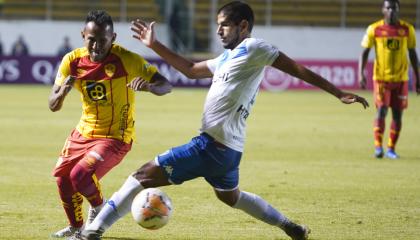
x,y
143,68
148,70
368,38
263,53
212,63
411,43
63,70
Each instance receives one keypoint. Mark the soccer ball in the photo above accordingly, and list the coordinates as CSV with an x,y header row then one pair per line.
x,y
151,208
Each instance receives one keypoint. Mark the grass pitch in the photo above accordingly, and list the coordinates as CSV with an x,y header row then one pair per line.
x,y
306,153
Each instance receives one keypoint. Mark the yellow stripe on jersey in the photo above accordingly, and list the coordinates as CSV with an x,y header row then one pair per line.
x,y
391,44
108,107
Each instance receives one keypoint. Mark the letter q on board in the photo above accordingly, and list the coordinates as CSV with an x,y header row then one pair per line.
x,y
43,71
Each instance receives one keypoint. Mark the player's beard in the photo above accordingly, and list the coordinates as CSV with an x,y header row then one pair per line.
x,y
234,42
98,56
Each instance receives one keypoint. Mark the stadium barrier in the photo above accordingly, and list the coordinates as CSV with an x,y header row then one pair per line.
x,y
42,70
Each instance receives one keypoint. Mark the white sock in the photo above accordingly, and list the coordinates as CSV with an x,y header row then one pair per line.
x,y
118,205
260,209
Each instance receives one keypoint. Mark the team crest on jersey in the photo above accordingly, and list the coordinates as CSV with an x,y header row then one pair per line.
x,y
80,72
110,70
401,32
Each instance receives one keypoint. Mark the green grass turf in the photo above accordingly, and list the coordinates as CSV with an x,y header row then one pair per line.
x,y
306,153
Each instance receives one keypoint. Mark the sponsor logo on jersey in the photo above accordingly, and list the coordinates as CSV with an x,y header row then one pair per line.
x,y
393,44
243,112
124,117
96,91
168,169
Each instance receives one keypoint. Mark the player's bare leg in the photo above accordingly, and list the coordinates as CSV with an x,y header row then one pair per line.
x,y
262,210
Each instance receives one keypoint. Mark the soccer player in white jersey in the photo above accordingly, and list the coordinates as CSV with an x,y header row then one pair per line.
x,y
215,154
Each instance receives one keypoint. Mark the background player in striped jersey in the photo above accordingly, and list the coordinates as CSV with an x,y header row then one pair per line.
x,y
107,76
392,38
216,153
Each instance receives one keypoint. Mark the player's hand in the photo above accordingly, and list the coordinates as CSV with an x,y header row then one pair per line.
x,y
349,98
139,84
144,32
362,81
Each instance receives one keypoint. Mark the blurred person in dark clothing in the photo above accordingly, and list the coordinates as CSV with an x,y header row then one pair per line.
x,y
20,48
65,47
1,49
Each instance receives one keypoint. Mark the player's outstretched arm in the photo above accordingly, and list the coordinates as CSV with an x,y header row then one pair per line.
x,y
361,68
59,93
146,34
287,65
158,85
415,63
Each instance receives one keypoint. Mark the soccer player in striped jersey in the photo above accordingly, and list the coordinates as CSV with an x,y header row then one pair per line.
x,y
392,38
107,76
216,153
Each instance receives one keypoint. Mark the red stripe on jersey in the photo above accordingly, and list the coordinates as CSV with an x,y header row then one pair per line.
x,y
73,66
111,67
391,31
128,104
96,121
112,106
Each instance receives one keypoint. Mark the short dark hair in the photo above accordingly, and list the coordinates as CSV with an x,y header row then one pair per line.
x,y
100,17
393,1
237,11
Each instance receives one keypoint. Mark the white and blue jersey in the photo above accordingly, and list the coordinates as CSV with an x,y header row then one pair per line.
x,y
237,75
216,153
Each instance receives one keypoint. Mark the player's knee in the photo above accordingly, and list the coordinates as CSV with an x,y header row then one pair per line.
x,y
229,198
61,182
144,172
151,175
65,187
78,175
382,111
228,202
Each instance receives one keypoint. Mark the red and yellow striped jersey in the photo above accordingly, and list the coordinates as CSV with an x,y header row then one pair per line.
x,y
108,106
391,44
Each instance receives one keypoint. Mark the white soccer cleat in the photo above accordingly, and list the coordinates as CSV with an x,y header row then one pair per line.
x,y
77,235
66,232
